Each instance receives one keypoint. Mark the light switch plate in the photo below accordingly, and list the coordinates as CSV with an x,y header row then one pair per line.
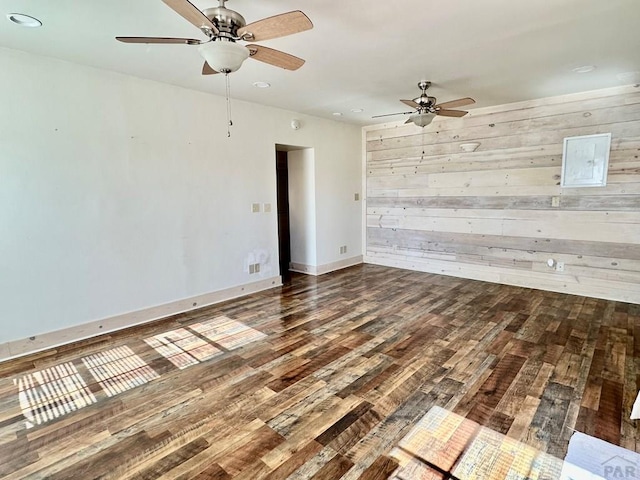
x,y
255,208
356,197
267,208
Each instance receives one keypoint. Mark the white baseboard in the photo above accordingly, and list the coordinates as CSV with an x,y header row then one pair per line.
x,y
504,276
326,268
19,348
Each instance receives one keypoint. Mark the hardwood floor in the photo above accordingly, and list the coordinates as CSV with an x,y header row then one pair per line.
x,y
321,379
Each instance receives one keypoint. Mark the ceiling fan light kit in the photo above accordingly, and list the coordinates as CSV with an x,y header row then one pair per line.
x,y
421,119
427,108
224,57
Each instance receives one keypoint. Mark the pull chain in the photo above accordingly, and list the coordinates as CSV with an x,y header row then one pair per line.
x,y
228,92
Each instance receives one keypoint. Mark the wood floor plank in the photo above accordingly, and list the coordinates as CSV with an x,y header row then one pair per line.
x,y
381,469
294,462
172,460
343,366
341,425
334,468
213,472
262,441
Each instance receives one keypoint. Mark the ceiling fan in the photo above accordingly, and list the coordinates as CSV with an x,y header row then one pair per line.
x,y
224,28
427,108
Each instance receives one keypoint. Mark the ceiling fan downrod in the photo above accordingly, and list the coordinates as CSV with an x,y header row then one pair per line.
x,y
423,85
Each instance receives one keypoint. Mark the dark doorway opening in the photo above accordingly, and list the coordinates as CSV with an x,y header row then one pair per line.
x,y
284,227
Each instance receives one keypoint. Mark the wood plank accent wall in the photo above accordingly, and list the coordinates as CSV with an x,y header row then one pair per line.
x,y
488,215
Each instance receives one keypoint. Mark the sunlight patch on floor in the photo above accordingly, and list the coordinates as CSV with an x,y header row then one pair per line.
x,y
56,391
118,370
228,333
182,348
51,393
445,445
445,442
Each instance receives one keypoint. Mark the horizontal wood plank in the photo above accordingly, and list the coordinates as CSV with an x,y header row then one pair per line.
x,y
502,207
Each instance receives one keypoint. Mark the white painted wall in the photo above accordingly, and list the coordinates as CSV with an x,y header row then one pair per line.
x,y
118,194
338,178
302,206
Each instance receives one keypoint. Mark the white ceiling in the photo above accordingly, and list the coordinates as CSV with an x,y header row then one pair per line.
x,y
361,53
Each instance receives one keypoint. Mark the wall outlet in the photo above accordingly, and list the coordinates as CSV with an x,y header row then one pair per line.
x,y
255,208
267,208
254,268
560,267
555,201
343,249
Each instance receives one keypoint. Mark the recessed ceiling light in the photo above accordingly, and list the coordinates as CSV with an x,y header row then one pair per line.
x,y
261,84
584,69
24,20
357,110
337,114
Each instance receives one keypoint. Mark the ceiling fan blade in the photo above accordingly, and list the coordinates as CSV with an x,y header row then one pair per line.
x,y
190,12
461,102
185,41
450,113
207,70
277,26
410,103
275,57
392,114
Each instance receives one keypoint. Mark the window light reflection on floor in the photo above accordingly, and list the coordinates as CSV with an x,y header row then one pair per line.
x,y
50,393
182,348
443,445
118,370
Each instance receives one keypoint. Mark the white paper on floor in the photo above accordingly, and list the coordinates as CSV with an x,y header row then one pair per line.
x,y
590,458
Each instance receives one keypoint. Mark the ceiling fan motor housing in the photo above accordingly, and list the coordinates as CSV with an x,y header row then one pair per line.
x,y
425,102
228,21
